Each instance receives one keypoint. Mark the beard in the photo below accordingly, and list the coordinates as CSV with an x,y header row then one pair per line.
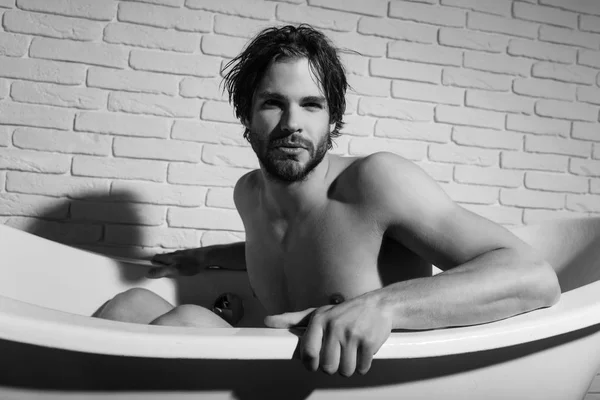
x,y
287,168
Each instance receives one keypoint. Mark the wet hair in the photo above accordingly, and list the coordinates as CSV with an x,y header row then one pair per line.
x,y
281,43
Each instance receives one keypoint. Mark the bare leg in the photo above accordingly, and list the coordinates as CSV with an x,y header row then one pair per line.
x,y
191,315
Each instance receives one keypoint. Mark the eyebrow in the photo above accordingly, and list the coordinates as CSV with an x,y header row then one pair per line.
x,y
278,96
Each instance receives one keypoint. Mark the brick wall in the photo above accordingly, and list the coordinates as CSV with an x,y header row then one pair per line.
x,y
114,134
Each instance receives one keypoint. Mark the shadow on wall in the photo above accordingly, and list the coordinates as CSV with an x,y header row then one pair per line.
x,y
83,223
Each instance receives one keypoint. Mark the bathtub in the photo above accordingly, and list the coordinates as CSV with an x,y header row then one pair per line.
x,y
51,349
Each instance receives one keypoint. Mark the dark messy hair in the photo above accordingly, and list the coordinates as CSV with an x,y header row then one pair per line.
x,y
288,42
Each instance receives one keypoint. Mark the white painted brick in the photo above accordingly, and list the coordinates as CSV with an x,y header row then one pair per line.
x,y
205,175
532,199
369,86
168,3
391,108
42,70
122,213
237,26
157,149
219,45
351,104
152,236
34,161
132,81
475,79
5,135
218,111
539,216
13,45
411,150
471,194
583,6
566,110
425,53
538,162
440,172
58,95
589,58
472,40
182,64
355,64
341,145
205,218
394,29
498,214
157,193
429,14
317,17
222,237
542,51
585,167
469,116
487,6
220,198
81,52
7,3
102,167
424,1
61,232
62,142
463,155
243,8
586,131
365,45
4,88
33,206
541,126
204,88
544,88
588,94
487,176
488,138
406,70
122,124
497,24
52,26
103,10
153,38
583,203
554,34
564,73
427,92
165,17
554,145
55,185
546,15
209,132
556,182
499,101
595,186
359,125
589,23
154,104
33,115
377,8
498,63
230,156
596,152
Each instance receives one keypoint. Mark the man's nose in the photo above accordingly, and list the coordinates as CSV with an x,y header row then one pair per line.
x,y
290,120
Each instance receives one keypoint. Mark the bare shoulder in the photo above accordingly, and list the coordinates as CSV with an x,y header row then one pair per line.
x,y
244,190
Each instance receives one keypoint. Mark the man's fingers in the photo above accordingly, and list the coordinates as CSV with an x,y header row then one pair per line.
x,y
311,347
348,359
330,355
365,358
289,320
165,259
161,272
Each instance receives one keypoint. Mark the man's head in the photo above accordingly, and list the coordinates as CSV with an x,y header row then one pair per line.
x,y
288,87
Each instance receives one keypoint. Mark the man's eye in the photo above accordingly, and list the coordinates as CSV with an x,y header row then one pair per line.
x,y
271,103
313,105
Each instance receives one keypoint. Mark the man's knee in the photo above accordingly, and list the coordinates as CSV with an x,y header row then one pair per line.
x,y
137,305
192,316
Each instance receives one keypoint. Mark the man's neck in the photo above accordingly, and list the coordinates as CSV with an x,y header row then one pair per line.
x,y
291,200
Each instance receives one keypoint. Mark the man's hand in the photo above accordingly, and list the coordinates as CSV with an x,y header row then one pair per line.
x,y
178,263
342,337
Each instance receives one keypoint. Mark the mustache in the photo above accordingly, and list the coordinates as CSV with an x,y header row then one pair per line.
x,y
289,142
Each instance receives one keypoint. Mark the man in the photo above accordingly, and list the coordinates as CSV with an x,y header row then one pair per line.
x,y
343,245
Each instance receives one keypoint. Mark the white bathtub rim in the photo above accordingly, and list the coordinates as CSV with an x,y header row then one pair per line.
x,y
31,324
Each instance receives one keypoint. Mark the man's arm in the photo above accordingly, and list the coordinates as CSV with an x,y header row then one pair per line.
x,y
489,273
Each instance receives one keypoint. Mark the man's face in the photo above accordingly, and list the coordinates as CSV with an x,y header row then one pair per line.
x,y
289,127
